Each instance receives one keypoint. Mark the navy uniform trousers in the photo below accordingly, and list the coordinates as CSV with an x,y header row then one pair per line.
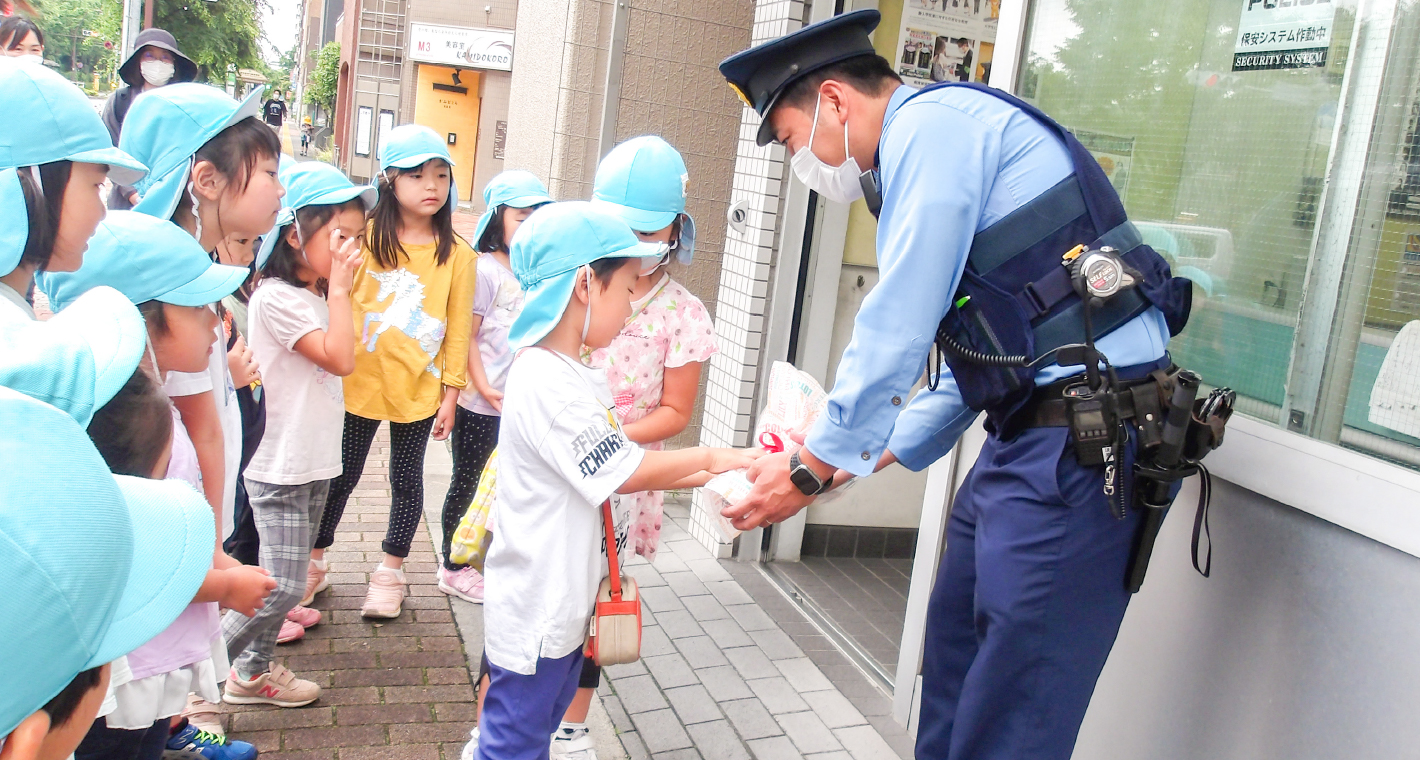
x,y
1027,604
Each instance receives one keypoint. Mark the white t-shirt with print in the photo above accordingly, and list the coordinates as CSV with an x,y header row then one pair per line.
x,y
560,455
498,299
305,407
217,379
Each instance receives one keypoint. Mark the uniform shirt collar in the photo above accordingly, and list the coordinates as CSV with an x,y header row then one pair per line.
x,y
899,96
8,293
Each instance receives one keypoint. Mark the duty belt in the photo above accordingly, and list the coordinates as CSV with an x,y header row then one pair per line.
x,y
1142,400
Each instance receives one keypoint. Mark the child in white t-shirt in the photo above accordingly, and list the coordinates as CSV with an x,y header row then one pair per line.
x,y
561,455
303,334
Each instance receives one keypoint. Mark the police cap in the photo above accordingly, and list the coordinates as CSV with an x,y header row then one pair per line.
x,y
761,74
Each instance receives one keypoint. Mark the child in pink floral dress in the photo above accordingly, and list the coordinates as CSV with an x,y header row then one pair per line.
x,y
653,368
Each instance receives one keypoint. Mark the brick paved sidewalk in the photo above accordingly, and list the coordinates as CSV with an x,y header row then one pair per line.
x,y
395,689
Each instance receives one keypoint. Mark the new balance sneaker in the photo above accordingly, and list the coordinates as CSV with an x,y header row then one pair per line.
x,y
210,746
316,582
304,616
290,631
470,750
574,743
203,714
385,597
465,583
278,686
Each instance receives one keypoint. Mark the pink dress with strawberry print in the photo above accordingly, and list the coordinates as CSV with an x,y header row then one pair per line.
x,y
668,328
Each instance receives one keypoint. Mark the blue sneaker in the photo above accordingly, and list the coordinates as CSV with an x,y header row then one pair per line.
x,y
210,746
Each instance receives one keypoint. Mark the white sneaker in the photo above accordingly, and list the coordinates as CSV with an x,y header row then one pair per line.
x,y
470,750
574,744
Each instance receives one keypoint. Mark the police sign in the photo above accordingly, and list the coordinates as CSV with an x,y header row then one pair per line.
x,y
461,47
1283,34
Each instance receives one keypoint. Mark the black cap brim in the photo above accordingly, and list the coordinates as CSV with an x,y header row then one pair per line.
x,y
761,74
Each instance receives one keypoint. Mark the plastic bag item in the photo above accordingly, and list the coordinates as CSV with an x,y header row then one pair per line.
x,y
475,532
791,407
614,634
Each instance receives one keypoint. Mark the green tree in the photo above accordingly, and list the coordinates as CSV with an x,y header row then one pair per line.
x,y
76,32
325,78
214,34
278,75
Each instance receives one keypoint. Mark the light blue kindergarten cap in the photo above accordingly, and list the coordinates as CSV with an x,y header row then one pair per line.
x,y
147,545
644,181
166,126
410,145
312,184
548,250
77,360
49,120
145,259
514,188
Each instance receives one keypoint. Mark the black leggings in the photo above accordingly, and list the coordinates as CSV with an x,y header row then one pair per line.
x,y
406,469
591,677
475,435
104,743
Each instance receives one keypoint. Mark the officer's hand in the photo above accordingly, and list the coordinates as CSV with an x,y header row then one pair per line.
x,y
774,498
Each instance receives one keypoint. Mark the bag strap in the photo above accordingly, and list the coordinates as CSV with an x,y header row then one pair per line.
x,y
611,551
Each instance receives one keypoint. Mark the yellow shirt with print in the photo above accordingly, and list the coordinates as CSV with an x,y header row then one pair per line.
x,y
412,326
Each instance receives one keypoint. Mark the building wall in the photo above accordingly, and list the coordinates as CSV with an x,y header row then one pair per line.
x,y
670,86
496,90
747,266
1301,645
558,75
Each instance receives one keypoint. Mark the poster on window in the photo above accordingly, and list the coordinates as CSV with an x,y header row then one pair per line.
x,y
1114,154
364,120
946,41
1283,34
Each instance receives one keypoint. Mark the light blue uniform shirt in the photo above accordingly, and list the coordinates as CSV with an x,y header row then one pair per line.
x,y
953,162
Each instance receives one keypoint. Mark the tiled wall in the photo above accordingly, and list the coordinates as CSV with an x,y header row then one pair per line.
x,y
860,542
670,86
744,277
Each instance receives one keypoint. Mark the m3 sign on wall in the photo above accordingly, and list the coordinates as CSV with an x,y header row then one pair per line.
x,y
461,47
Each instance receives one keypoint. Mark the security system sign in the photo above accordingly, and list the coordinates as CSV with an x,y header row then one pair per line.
x,y
1283,34
461,47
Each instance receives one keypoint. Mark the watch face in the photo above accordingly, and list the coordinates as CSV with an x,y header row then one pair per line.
x,y
803,479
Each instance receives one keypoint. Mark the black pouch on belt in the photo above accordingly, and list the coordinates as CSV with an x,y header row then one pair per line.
x,y
1092,424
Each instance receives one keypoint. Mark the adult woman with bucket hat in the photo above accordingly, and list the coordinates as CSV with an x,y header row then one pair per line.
x,y
156,61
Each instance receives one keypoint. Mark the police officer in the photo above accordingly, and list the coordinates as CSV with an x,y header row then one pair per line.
x,y
979,196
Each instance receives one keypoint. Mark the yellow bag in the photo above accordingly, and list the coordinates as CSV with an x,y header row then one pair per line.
x,y
475,533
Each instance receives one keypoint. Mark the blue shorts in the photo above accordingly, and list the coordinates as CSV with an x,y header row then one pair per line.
x,y
521,712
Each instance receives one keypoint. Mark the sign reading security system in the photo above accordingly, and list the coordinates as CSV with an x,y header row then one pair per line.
x,y
1283,34
460,46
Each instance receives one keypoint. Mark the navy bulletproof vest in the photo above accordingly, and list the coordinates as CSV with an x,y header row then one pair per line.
x,y
1021,301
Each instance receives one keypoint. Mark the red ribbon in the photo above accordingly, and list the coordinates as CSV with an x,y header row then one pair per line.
x,y
771,442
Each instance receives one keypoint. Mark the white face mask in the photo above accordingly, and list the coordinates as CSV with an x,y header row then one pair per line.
x,y
155,72
31,59
650,265
838,183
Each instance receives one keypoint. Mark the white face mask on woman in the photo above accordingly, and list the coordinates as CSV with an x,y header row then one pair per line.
x,y
155,72
836,183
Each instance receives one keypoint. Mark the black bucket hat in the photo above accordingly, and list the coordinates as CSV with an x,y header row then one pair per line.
x,y
184,70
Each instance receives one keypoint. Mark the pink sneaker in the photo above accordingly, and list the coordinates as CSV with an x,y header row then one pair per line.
x,y
466,584
316,582
290,632
303,616
385,596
